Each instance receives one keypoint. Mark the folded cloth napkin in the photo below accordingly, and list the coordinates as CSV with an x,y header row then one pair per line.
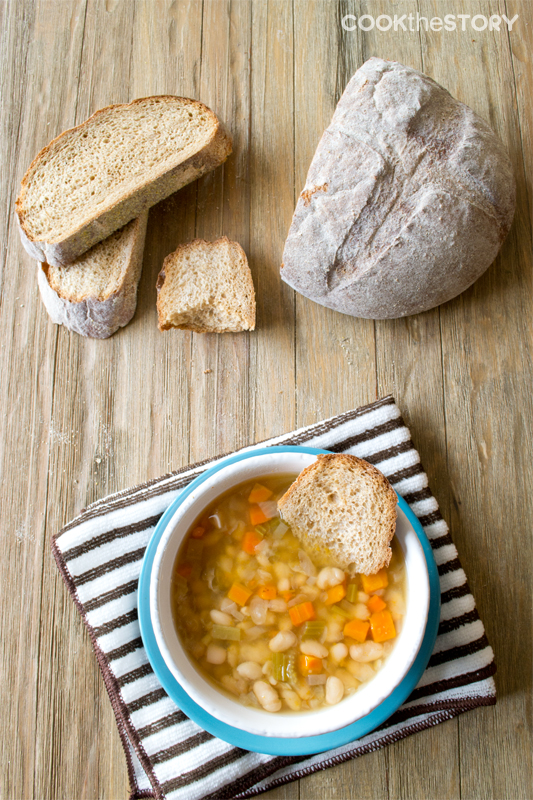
x,y
100,554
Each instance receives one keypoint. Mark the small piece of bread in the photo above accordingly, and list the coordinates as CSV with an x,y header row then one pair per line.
x,y
95,178
97,294
206,287
344,510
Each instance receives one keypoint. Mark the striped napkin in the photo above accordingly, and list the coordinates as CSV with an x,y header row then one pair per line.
x,y
100,553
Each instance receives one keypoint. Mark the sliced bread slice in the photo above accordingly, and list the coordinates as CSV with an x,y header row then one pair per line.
x,y
344,510
97,294
95,178
206,287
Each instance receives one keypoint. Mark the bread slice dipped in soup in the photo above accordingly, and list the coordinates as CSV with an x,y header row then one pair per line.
x,y
273,619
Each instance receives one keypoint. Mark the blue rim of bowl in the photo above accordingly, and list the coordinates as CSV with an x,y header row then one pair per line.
x,y
301,746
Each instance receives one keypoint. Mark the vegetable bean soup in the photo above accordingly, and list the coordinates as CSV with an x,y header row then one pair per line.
x,y
263,623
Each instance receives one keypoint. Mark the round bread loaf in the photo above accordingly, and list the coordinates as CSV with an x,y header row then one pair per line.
x,y
408,199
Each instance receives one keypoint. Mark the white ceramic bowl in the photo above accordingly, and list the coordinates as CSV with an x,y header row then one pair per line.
x,y
282,724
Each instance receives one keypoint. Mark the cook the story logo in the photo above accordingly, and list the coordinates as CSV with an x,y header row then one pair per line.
x,y
416,22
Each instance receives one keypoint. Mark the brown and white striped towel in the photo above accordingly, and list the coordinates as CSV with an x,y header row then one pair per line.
x,y
100,553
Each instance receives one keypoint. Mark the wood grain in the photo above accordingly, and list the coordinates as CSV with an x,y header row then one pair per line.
x,y
82,418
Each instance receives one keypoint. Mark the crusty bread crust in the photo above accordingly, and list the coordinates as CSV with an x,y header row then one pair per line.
x,y
324,523
114,214
92,316
407,200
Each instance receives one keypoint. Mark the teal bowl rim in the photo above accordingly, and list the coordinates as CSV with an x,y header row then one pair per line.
x,y
306,745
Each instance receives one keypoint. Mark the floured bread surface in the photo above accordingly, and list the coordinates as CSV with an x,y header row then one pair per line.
x,y
97,294
344,510
93,179
407,200
206,287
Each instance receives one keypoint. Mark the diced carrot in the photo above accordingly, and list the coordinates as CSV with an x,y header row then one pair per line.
x,y
267,592
259,494
376,604
257,515
302,613
382,626
239,594
335,594
198,532
250,540
184,570
356,629
371,583
309,665
287,596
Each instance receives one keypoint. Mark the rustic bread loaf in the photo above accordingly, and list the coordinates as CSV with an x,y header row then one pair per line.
x,y
344,510
408,199
95,178
97,294
206,287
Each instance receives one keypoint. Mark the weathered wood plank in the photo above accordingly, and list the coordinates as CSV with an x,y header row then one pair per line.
x,y
486,335
272,396
219,383
335,353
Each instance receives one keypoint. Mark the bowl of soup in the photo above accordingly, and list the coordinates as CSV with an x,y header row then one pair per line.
x,y
260,635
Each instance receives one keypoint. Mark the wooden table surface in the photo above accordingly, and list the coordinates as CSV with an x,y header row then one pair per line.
x,y
82,418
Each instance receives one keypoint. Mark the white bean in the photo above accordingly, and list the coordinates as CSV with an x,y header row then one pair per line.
x,y
338,652
313,648
363,672
215,654
220,618
334,690
329,577
278,605
284,585
361,611
334,632
368,651
282,641
250,670
267,696
291,698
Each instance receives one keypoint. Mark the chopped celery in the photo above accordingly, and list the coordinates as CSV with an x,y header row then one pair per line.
x,y
284,667
313,630
349,607
195,549
261,529
280,662
351,592
292,675
226,632
341,612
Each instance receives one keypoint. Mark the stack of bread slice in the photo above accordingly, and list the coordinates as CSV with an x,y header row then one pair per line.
x,y
83,204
